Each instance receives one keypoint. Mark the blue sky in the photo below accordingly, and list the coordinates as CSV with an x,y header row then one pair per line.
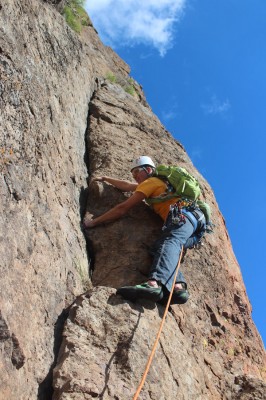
x,y
202,65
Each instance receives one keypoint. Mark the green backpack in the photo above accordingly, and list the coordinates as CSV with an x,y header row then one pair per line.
x,y
182,184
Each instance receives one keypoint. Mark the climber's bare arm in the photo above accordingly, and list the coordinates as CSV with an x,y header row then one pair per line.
x,y
123,185
116,212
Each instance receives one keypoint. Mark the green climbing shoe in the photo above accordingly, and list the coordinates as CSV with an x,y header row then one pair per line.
x,y
142,291
180,296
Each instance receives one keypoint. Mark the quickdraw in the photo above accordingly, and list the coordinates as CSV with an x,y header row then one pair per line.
x,y
182,203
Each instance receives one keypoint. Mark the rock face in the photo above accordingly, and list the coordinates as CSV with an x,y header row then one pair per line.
x,y
61,121
44,105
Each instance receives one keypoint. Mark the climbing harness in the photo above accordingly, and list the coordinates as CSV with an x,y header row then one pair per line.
x,y
159,332
178,208
178,214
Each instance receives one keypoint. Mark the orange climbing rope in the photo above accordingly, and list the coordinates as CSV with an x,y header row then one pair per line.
x,y
159,332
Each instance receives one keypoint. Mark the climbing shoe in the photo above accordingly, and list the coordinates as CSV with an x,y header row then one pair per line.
x,y
180,296
142,291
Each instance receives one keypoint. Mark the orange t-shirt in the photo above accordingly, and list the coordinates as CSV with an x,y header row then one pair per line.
x,y
153,187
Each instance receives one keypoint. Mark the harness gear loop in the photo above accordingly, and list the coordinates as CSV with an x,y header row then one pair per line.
x,y
159,332
177,207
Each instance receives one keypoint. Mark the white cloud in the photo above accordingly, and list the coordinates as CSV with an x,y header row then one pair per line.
x,y
216,106
196,153
170,113
130,22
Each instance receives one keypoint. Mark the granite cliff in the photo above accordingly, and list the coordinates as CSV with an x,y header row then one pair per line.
x,y
64,333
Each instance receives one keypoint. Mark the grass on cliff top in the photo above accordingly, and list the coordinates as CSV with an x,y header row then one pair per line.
x,y
130,89
126,84
75,15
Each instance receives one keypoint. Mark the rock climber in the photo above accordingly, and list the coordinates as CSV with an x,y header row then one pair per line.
x,y
180,229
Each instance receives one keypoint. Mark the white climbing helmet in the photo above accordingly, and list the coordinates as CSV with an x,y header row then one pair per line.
x,y
142,160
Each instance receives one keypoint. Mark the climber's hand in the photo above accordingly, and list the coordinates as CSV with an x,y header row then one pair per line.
x,y
88,222
97,179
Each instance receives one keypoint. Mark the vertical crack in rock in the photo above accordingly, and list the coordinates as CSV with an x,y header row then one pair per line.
x,y
120,357
45,391
84,194
169,363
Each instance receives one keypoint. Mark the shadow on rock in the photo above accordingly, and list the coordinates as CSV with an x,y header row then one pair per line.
x,y
45,391
137,305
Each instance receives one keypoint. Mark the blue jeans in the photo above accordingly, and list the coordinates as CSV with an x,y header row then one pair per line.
x,y
167,248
